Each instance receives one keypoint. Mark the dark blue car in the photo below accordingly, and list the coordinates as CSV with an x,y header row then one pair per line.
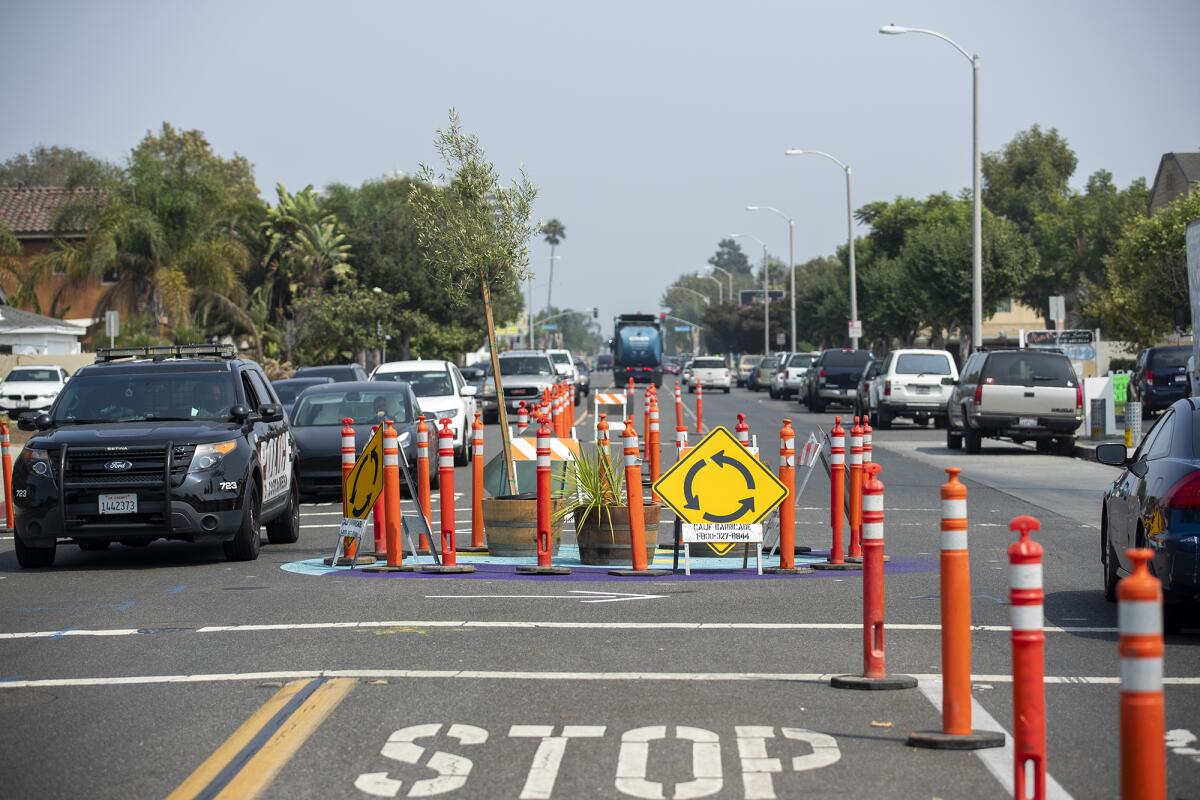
x,y
1155,503
1160,378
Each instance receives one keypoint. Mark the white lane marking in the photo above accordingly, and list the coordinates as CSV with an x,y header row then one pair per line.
x,y
685,677
591,597
998,760
502,624
453,770
543,772
1180,740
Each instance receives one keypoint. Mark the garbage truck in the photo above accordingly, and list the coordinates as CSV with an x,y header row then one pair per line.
x,y
637,349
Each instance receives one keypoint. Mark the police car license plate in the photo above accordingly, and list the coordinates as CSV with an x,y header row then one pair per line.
x,y
118,503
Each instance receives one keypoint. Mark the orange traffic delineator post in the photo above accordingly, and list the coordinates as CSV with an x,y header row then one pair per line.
x,y
856,484
6,446
477,541
678,406
545,544
1143,716
787,511
868,448
350,555
637,514
655,449
1028,662
631,397
875,675
424,503
699,408
379,519
646,423
743,430
522,418
449,562
602,433
390,500
681,442
956,732
837,493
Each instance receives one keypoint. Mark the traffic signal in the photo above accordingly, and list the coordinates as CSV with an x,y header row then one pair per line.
x,y
595,313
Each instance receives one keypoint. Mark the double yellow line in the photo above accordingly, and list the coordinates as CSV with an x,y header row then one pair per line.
x,y
246,763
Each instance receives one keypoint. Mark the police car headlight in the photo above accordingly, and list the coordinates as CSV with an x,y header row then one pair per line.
x,y
208,456
38,460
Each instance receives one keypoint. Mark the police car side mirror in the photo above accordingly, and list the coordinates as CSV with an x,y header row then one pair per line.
x,y
271,412
239,413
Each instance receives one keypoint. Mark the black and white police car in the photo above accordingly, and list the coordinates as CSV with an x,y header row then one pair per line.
x,y
182,442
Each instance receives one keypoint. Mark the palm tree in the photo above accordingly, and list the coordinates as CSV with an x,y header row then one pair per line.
x,y
554,232
21,277
305,246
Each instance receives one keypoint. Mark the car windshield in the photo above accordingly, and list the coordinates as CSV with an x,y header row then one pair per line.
x,y
923,363
843,358
138,397
750,361
33,375
1166,358
1027,368
708,363
801,360
525,365
769,363
364,407
424,383
561,358
342,373
288,391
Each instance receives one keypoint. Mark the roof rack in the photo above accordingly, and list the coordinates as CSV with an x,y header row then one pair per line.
x,y
159,353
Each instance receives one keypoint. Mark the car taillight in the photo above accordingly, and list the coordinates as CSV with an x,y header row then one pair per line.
x,y
887,387
979,394
1185,493
1078,397
1150,376
822,374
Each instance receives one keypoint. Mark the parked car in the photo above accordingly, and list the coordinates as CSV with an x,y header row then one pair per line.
x,y
711,372
862,397
760,376
525,374
1154,503
685,372
793,372
340,373
583,380
776,383
744,365
474,376
909,383
1024,395
672,365
604,362
31,388
833,378
290,388
564,363
317,428
442,392
1160,377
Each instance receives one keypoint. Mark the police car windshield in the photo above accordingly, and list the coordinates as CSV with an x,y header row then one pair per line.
x,y
364,407
140,397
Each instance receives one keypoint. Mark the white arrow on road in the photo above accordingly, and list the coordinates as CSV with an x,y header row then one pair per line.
x,y
596,597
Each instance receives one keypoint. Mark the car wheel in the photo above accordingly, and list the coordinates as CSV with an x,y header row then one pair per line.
x,y
972,441
1110,570
816,406
462,454
884,420
954,439
245,544
285,528
772,395
34,557
91,545
1065,446
727,390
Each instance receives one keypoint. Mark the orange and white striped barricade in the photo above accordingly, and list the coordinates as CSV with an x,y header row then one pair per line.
x,y
1143,720
449,562
638,535
1028,662
837,492
875,675
611,404
544,533
956,732
477,545
391,503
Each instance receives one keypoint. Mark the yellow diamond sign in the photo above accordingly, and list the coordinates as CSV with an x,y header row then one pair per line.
x,y
719,481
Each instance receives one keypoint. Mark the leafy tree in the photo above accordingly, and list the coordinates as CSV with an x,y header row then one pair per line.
x,y
733,328
334,326
1147,275
306,248
553,232
575,332
55,166
822,301
1028,176
731,257
13,272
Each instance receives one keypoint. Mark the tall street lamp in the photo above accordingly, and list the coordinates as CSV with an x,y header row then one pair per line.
x,y
791,260
701,295
720,288
766,294
976,177
529,283
849,231
728,275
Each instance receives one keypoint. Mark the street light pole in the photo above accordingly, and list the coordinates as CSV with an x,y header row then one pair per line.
x,y
728,275
791,260
976,180
701,295
849,230
720,288
766,294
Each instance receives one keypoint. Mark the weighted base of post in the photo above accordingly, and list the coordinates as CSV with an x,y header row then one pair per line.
x,y
975,740
863,683
390,568
859,559
451,569
346,561
471,549
535,570
786,570
633,573
845,565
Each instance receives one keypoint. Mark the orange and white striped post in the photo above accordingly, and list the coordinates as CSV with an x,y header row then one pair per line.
x,y
446,437
631,396
646,422
875,675
349,543
423,499
681,440
1143,716
868,448
699,408
956,732
379,515
522,418
637,511
837,493
1028,662
6,446
856,487
787,511
390,500
655,449
602,433
742,430
545,542
477,541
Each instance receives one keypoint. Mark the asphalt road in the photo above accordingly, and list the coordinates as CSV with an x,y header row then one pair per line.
x,y
137,672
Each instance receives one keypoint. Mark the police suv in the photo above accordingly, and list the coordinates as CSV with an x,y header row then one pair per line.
x,y
182,442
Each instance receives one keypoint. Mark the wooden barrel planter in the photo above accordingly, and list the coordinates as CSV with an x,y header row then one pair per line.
x,y
511,525
600,545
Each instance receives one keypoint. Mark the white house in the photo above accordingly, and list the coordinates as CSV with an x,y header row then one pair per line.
x,y
25,333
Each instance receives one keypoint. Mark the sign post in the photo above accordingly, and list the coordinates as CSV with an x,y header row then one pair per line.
x,y
855,329
112,326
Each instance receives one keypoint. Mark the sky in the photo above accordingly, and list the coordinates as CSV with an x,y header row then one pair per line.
x,y
647,126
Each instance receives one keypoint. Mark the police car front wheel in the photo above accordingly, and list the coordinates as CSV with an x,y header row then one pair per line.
x,y
285,528
33,557
245,544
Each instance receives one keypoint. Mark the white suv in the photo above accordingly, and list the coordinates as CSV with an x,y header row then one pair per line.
x,y
711,372
911,383
441,391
